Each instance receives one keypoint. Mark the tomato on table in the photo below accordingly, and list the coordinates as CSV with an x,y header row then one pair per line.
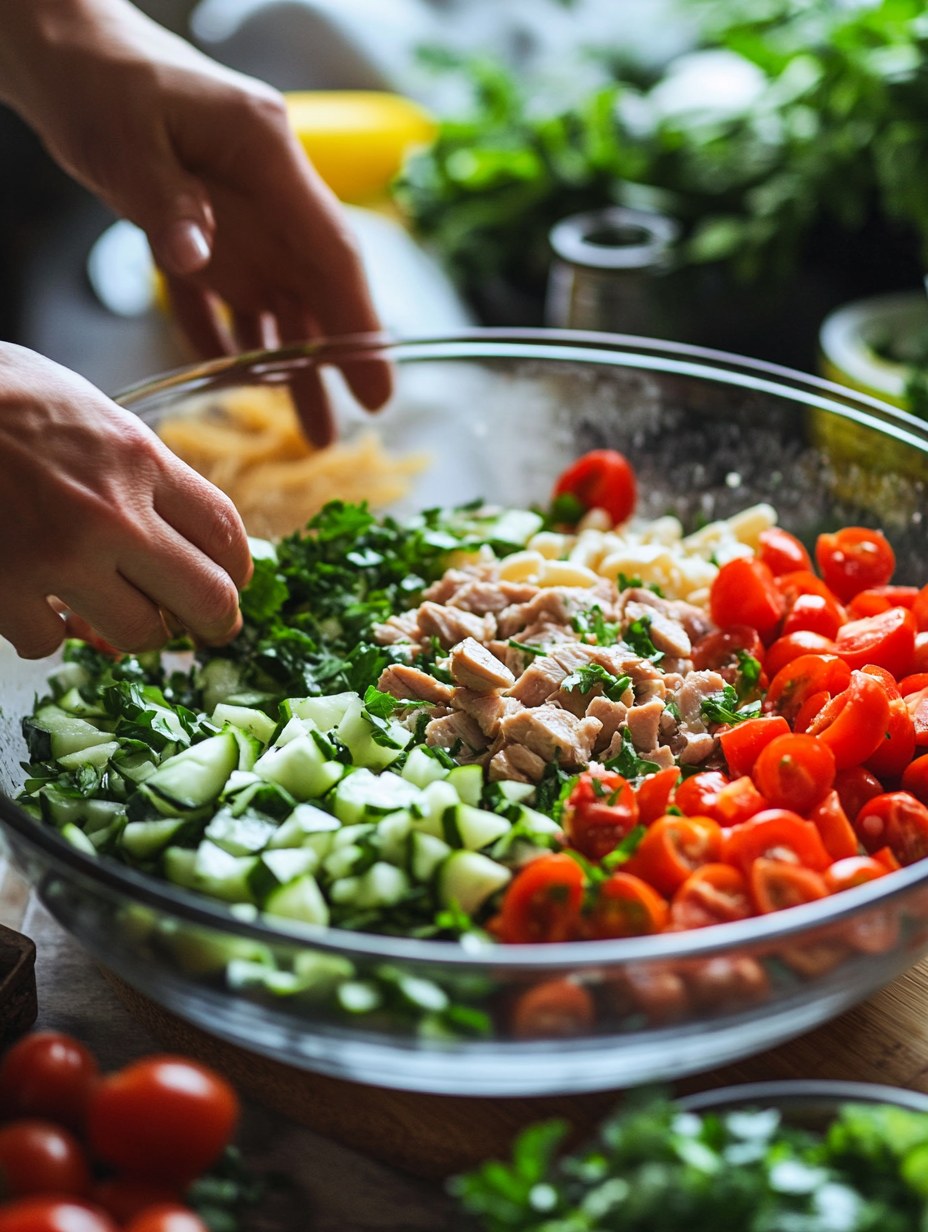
x,y
895,820
888,640
167,1218
696,796
835,830
795,772
854,559
53,1214
601,479
785,649
915,778
803,677
713,894
777,834
855,787
717,651
813,614
653,794
543,902
626,906
600,811
49,1076
672,848
881,599
854,722
743,744
777,885
782,552
854,871
39,1157
162,1118
744,593
556,1009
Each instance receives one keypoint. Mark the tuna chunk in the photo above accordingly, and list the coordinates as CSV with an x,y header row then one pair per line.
x,y
694,690
447,732
666,633
555,605
611,715
402,628
516,763
408,683
451,625
644,724
540,679
697,747
489,596
662,756
693,619
474,667
548,730
487,709
450,581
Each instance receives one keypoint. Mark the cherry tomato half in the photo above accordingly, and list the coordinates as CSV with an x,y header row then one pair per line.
x,y
162,1118
713,894
811,707
795,772
897,821
920,609
854,722
39,1157
556,1009
696,796
813,614
53,1215
792,586
717,651
167,1218
854,871
776,834
776,885
855,787
738,801
49,1076
626,906
917,706
785,649
742,745
915,778
653,794
601,810
888,640
782,552
913,684
881,599
543,902
744,593
672,848
854,559
897,748
799,680
601,479
836,832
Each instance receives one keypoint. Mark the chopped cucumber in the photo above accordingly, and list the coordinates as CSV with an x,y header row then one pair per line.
x,y
300,900
320,974
97,755
249,747
383,885
422,768
393,836
433,802
254,722
293,730
469,879
306,827
74,703
342,861
68,676
197,775
517,793
426,853
100,814
219,680
289,863
135,765
59,809
180,866
357,732
515,526
472,828
300,767
223,876
325,712
536,823
143,840
77,838
467,781
65,734
240,836
364,796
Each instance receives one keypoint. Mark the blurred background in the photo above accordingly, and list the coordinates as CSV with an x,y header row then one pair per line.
x,y
750,175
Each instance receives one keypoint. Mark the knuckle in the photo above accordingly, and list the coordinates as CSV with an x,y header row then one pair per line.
x,y
39,646
140,633
217,600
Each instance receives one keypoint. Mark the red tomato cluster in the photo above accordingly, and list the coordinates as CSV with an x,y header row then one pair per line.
x,y
85,1152
825,790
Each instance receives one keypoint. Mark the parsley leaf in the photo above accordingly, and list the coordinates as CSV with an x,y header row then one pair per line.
x,y
720,707
638,637
628,763
531,650
590,675
626,849
566,508
385,705
748,675
552,792
594,624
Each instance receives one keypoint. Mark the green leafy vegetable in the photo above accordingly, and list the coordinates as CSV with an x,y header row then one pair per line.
x,y
530,650
722,707
638,637
587,677
628,763
626,848
748,675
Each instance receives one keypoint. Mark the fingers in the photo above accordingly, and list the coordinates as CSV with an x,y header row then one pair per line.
x,y
306,387
32,627
197,313
206,518
254,331
119,613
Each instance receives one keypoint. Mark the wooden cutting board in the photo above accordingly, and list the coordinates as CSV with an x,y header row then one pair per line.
x,y
883,1040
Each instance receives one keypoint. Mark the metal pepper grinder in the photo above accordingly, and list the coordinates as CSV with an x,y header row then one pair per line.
x,y
606,268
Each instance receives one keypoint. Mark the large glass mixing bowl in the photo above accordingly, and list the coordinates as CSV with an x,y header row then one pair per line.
x,y
501,412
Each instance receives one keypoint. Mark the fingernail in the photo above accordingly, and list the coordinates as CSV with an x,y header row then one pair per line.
x,y
184,247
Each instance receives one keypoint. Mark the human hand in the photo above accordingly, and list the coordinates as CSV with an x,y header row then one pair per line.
x,y
99,514
203,160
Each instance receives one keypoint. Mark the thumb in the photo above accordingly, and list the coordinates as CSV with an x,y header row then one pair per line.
x,y
174,211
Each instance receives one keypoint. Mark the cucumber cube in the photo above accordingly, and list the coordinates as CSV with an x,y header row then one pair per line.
x,y
180,866
469,879
143,840
517,793
422,768
254,722
433,803
363,796
325,712
222,876
300,767
426,853
197,775
467,781
357,732
77,838
472,828
393,836
300,900
382,885
97,755
289,863
306,827
240,836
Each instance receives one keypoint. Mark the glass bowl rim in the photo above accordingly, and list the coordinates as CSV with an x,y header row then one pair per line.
x,y
623,350
795,1091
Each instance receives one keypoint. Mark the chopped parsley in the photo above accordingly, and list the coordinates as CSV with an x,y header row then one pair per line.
x,y
748,675
593,624
638,637
628,763
721,707
587,677
531,650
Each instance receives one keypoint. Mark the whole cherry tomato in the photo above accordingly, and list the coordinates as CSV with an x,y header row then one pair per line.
x,y
776,885
744,593
836,832
803,677
672,848
854,559
543,902
626,906
854,722
38,1157
601,479
124,1197
719,651
895,820
696,796
888,640
743,744
854,871
915,778
920,661
785,649
913,684
163,1118
167,1218
777,834
813,614
556,1009
795,772
49,1076
601,810
782,552
713,894
881,599
855,787
653,794
53,1214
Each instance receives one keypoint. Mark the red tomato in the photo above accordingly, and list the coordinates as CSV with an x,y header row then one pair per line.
x,y
601,479
713,894
920,661
813,614
917,706
888,640
915,778
913,684
792,586
49,1076
854,559
696,796
920,609
776,885
38,1157
626,906
811,707
897,821
738,801
719,650
53,1215
855,787
782,552
653,794
854,871
795,772
742,745
672,848
785,649
897,748
163,1118
744,593
600,811
776,834
543,902
881,599
556,1009
888,861
836,832
124,1197
854,722
167,1218
797,682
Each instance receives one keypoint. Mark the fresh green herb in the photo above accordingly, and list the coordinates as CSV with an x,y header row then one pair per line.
x,y
385,705
721,707
672,709
748,675
628,763
566,510
629,583
638,637
588,676
530,650
626,849
552,792
594,624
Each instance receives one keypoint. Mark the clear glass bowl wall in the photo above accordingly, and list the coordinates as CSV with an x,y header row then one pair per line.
x,y
501,413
